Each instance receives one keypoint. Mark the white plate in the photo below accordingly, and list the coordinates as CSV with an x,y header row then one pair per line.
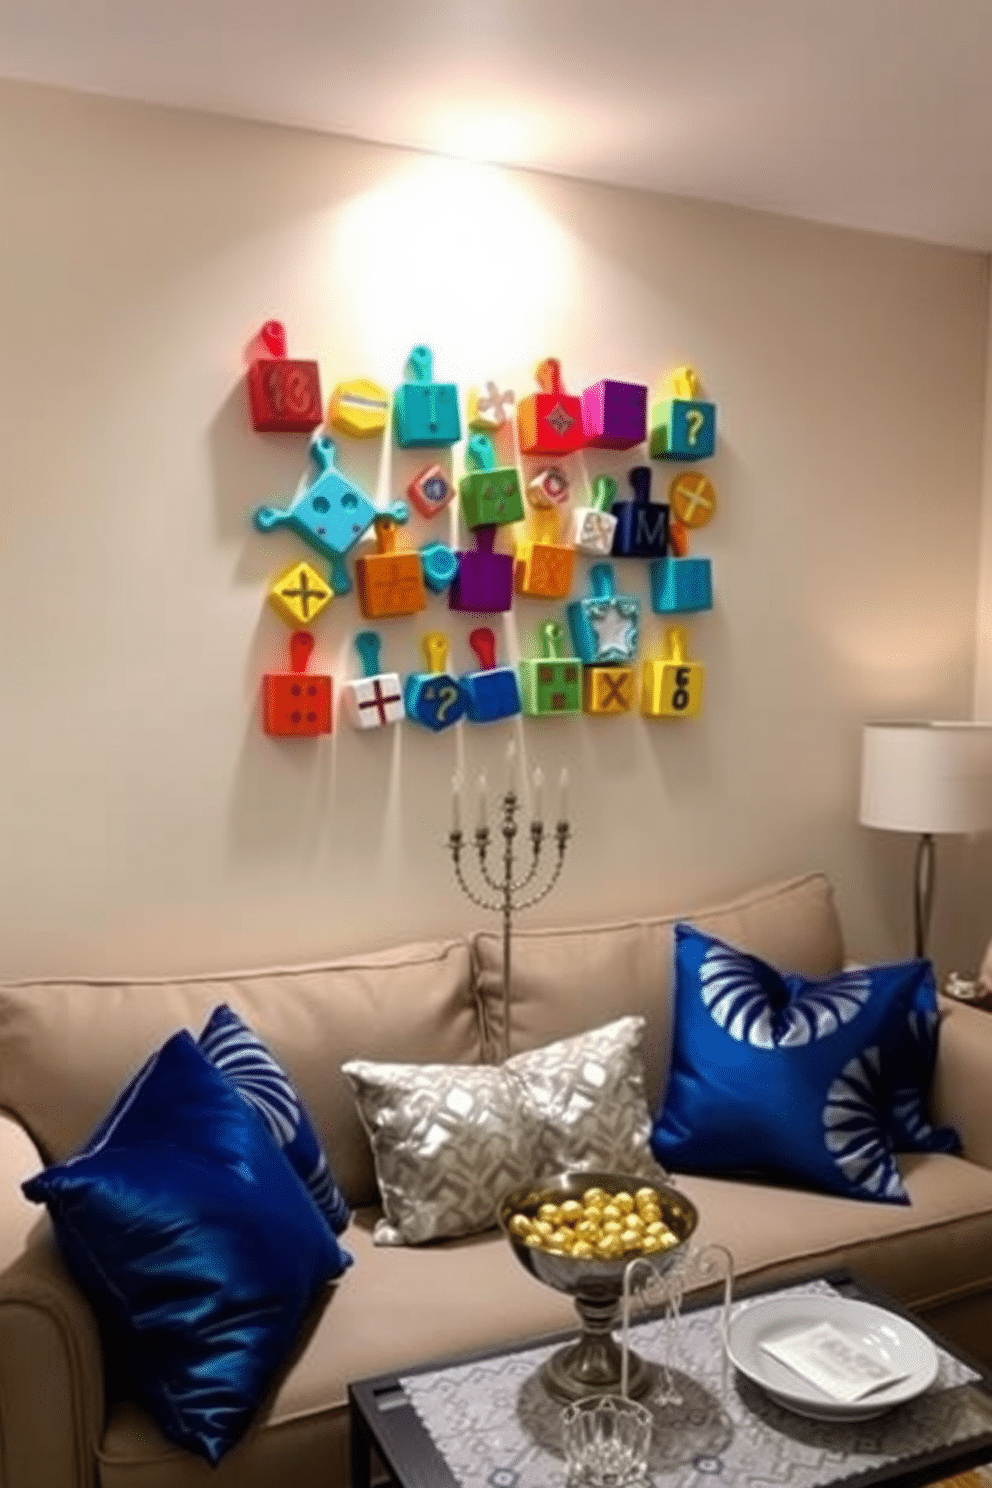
x,y
892,1340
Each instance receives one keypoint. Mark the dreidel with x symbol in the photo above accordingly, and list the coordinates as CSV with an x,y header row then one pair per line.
x,y
299,594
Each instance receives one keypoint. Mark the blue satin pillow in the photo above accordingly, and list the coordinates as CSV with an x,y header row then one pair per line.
x,y
238,1052
195,1241
796,1079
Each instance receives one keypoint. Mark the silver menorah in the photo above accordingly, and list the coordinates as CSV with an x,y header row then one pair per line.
x,y
513,891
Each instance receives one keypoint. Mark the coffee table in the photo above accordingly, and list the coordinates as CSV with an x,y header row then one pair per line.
x,y
384,1419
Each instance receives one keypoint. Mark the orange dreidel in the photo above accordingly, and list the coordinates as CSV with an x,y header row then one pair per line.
x,y
543,567
550,422
296,704
389,583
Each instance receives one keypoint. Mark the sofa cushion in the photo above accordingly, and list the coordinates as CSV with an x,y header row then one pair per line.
x,y
565,981
68,1047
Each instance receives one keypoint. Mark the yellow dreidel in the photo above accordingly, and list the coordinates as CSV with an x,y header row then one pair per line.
x,y
542,565
672,687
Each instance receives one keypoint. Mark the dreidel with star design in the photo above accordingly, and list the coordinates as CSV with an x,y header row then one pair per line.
x,y
642,524
592,527
425,412
375,699
299,594
544,566
283,394
296,704
607,691
490,494
550,422
605,626
672,686
389,583
492,692
434,698
551,684
683,424
483,584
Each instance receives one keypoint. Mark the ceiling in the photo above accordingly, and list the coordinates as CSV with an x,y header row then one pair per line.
x,y
870,113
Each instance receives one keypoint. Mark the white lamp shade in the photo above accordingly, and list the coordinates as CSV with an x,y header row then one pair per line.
x,y
927,777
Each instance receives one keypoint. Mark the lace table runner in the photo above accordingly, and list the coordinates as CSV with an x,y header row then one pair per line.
x,y
496,1426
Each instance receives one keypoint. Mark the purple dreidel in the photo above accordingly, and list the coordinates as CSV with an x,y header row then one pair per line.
x,y
483,584
615,414
493,692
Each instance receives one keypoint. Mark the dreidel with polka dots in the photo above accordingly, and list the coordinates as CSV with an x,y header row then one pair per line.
x,y
592,527
672,686
375,699
434,698
297,704
492,692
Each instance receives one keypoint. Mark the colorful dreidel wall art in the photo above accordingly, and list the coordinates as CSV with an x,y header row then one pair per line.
x,y
299,594
297,704
425,412
483,584
543,565
358,409
550,422
375,699
490,494
492,692
434,698
642,524
606,625
615,414
489,409
283,394
607,691
551,684
593,527
683,423
672,686
330,514
389,582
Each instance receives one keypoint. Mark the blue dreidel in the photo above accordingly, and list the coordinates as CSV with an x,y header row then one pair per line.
x,y
434,698
493,692
605,626
683,424
330,514
681,585
642,524
426,414
439,564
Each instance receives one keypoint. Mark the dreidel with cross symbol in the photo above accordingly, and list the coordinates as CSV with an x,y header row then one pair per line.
x,y
551,684
483,584
490,494
425,412
593,527
375,699
297,704
642,524
434,698
283,394
544,566
607,691
615,414
299,594
492,692
683,424
671,686
550,422
389,583
606,625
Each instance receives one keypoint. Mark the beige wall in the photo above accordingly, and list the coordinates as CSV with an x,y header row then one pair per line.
x,y
148,824
983,664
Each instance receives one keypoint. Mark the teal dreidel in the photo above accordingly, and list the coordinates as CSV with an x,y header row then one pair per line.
x,y
425,412
605,626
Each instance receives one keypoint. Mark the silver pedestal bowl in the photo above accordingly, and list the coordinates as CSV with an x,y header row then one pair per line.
x,y
591,1366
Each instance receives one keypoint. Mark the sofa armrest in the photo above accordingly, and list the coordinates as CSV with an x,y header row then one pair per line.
x,y
963,1078
51,1363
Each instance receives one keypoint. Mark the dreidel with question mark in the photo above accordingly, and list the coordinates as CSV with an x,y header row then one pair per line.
x,y
492,692
434,698
672,686
592,527
683,423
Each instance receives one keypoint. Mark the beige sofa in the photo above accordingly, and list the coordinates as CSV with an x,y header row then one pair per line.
x,y
66,1048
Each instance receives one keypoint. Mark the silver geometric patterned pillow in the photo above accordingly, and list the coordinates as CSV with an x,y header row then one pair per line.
x,y
449,1140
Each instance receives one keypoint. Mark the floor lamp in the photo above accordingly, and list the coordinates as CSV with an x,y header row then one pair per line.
x,y
927,778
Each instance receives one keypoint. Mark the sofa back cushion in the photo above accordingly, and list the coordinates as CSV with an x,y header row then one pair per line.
x,y
568,980
68,1047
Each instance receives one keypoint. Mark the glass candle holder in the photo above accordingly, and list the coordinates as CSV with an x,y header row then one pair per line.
x,y
606,1439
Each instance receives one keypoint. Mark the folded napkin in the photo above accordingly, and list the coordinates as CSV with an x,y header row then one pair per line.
x,y
835,1363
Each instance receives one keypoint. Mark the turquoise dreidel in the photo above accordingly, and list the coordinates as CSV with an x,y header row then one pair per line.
x,y
490,494
682,584
605,626
493,692
683,424
434,698
551,684
439,564
425,412
593,527
376,698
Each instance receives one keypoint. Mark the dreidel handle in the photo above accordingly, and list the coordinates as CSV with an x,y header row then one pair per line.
x,y
485,538
548,375
483,643
385,535
300,647
435,648
603,582
604,493
640,480
675,645
273,334
420,364
552,639
684,383
546,523
369,647
481,452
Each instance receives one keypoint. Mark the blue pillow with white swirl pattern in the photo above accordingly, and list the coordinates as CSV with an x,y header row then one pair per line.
x,y
814,1082
234,1049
